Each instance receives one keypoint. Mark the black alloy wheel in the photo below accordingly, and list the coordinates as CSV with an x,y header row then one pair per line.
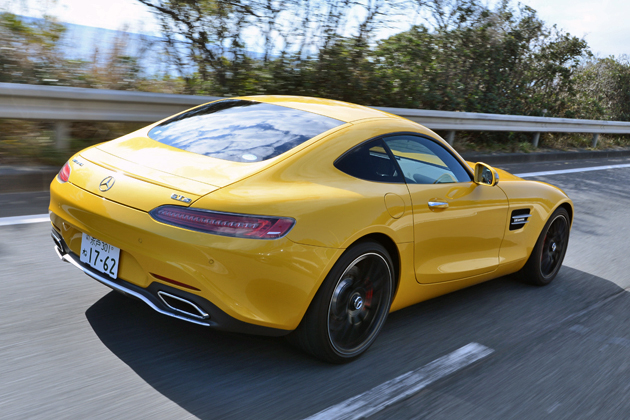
x,y
357,305
350,307
548,254
554,246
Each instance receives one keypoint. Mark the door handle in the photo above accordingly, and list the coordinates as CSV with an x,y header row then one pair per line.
x,y
438,205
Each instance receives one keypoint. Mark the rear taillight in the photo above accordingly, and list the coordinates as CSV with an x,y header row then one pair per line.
x,y
64,173
226,224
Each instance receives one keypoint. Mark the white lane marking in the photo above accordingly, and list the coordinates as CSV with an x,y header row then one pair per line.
x,y
571,171
390,392
21,220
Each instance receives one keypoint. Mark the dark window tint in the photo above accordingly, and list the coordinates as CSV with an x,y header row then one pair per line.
x,y
241,131
423,161
369,161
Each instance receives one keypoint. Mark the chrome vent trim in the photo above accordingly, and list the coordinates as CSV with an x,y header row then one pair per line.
x,y
519,218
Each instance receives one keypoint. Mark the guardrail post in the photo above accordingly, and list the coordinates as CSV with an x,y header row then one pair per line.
x,y
535,140
450,137
62,135
595,138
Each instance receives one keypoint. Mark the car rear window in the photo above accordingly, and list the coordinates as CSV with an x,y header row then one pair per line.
x,y
241,131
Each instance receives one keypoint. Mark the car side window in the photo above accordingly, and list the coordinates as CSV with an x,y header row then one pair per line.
x,y
369,161
423,161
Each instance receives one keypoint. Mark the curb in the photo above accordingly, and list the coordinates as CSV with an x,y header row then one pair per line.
x,y
38,178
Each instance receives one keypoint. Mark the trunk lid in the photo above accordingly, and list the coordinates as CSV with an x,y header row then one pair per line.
x,y
131,184
145,154
148,174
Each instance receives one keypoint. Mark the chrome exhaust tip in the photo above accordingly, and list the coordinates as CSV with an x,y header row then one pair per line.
x,y
59,249
182,305
176,307
56,238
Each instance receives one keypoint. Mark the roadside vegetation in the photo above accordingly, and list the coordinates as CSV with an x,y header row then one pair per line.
x,y
461,55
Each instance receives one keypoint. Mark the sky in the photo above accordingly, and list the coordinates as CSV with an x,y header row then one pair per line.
x,y
109,14
603,23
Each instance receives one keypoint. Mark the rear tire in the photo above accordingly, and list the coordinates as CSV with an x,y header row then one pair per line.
x,y
350,307
548,253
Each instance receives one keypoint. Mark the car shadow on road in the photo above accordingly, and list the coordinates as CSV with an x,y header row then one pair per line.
x,y
221,375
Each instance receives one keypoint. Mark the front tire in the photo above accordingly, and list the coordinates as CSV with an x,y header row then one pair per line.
x,y
548,253
350,307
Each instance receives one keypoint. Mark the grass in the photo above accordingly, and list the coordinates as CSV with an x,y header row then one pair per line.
x,y
33,143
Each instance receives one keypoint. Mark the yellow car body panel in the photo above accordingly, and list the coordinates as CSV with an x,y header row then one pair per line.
x,y
542,200
338,110
128,189
271,283
251,280
332,209
144,173
462,240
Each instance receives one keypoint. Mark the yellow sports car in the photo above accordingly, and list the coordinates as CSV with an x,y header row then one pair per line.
x,y
305,217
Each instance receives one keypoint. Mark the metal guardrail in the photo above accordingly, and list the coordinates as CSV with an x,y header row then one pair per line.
x,y
66,104
60,103
470,121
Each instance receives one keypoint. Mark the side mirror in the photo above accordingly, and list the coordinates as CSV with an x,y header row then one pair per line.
x,y
485,175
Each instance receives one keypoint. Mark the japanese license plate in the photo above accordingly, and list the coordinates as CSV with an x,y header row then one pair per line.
x,y
100,255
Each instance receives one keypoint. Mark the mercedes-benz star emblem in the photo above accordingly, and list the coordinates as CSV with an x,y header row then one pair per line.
x,y
106,184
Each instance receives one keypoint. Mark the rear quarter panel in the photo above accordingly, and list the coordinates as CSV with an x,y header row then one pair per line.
x,y
331,209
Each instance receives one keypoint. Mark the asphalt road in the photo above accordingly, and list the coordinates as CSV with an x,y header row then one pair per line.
x,y
72,349
24,203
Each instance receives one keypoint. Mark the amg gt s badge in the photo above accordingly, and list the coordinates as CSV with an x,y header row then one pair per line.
x,y
181,198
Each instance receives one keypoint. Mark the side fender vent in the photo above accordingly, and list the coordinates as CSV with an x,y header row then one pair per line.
x,y
519,219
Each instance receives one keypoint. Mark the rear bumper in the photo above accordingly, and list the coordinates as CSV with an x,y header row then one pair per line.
x,y
266,283
197,310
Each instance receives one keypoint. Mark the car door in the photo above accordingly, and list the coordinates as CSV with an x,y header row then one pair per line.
x,y
458,224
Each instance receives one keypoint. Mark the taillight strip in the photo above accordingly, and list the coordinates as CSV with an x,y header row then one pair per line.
x,y
224,224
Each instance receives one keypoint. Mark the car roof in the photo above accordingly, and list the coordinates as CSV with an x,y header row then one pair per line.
x,y
342,111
